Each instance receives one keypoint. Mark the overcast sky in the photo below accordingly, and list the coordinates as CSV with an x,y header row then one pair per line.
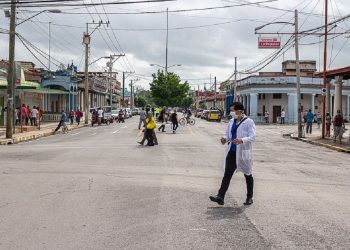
x,y
203,42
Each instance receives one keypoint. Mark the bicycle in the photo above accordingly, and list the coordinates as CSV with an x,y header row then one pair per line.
x,y
185,120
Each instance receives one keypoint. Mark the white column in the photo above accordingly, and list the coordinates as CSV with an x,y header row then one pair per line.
x,y
253,106
313,103
348,107
292,112
338,94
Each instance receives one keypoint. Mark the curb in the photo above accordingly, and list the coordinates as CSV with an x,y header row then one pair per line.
x,y
335,148
27,138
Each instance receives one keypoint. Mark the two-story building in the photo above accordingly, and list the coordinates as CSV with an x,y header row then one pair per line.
x,y
277,91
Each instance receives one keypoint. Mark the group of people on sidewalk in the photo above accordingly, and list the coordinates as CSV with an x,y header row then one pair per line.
x,y
337,121
26,116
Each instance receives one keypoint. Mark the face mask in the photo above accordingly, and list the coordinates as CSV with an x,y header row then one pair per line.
x,y
234,115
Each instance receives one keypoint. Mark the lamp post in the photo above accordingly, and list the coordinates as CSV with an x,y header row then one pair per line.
x,y
166,66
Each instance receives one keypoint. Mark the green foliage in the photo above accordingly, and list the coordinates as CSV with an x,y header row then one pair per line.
x,y
168,91
187,102
140,101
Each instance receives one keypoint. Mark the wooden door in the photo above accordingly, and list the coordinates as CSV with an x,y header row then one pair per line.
x,y
276,112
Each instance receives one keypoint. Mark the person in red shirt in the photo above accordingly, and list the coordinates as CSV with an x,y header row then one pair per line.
x,y
71,117
23,114
78,116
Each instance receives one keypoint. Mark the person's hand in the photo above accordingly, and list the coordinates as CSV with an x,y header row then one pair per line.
x,y
223,140
238,141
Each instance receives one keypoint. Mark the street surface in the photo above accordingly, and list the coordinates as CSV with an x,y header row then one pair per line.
x,y
96,188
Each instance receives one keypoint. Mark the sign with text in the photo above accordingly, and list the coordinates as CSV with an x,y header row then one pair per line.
x,y
269,42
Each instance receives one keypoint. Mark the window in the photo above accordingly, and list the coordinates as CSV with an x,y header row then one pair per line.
x,y
263,98
264,109
277,96
302,96
259,96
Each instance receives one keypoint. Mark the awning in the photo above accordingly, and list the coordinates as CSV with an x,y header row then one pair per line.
x,y
45,91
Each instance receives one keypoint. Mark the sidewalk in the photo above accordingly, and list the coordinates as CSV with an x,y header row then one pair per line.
x,y
46,129
316,139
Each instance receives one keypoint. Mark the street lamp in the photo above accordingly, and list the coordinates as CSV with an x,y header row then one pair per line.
x,y
267,24
166,67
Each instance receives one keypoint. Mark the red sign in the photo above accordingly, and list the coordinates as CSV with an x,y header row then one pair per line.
x,y
269,42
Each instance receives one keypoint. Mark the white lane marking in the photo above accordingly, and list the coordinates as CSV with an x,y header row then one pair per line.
x,y
76,133
94,134
125,127
115,132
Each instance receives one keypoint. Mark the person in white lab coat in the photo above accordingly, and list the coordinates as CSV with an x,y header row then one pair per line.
x,y
239,137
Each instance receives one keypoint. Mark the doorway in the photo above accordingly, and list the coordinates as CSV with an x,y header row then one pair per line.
x,y
276,112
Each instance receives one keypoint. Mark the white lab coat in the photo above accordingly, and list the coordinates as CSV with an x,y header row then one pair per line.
x,y
244,153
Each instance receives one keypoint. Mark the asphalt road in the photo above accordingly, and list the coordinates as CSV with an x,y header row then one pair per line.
x,y
96,188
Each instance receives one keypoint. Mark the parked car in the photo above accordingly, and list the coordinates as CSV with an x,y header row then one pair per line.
x,y
205,114
198,113
128,113
114,113
214,115
135,111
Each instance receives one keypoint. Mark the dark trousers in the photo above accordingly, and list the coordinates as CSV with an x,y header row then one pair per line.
x,y
282,120
71,120
78,120
162,127
149,137
231,167
309,127
175,125
59,126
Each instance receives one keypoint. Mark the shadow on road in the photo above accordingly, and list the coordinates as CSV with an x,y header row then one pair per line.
x,y
220,213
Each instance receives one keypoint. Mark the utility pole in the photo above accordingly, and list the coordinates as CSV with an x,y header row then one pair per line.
x,y
297,67
86,87
215,91
111,62
325,83
11,73
131,97
49,47
86,41
124,77
235,83
167,41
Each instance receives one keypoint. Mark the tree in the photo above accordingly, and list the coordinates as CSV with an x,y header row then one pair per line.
x,y
140,101
168,91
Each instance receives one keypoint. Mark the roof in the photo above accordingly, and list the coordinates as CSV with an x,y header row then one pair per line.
x,y
344,72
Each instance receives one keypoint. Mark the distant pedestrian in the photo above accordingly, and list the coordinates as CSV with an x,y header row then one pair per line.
x,y
267,116
62,121
78,116
328,125
157,111
28,116
142,121
318,119
240,135
309,121
23,114
174,121
338,123
99,116
162,119
17,114
34,116
71,117
283,116
149,133
153,111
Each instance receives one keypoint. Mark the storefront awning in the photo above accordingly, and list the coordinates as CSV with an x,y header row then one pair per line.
x,y
45,91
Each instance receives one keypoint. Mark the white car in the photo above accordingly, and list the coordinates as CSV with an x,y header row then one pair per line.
x,y
128,113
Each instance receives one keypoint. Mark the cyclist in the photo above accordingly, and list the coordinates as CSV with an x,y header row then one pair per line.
x,y
62,121
188,115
